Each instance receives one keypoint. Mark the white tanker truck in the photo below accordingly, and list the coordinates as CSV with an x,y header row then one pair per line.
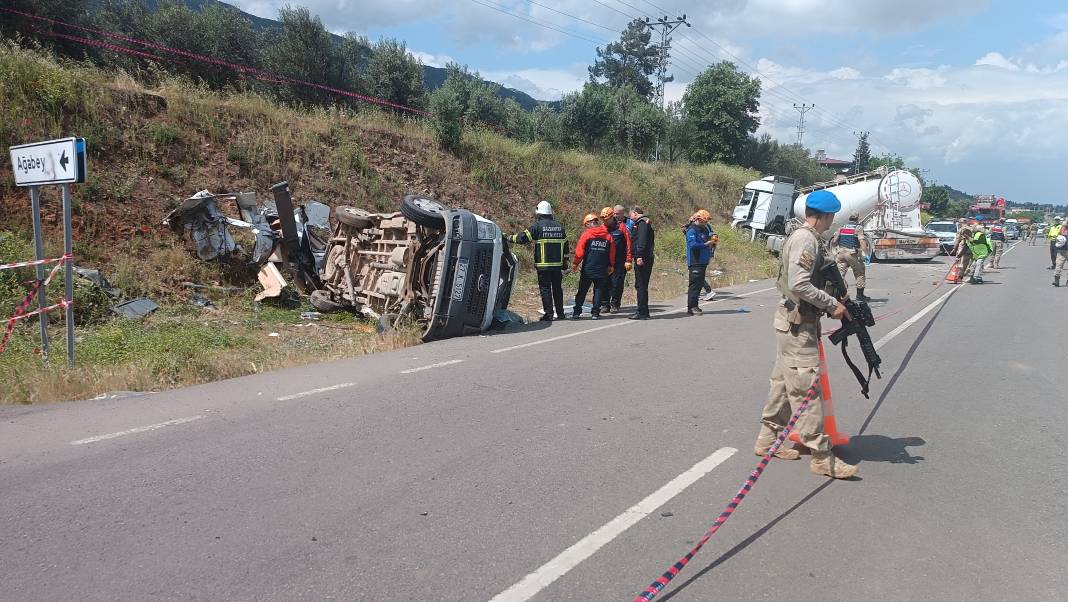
x,y
888,203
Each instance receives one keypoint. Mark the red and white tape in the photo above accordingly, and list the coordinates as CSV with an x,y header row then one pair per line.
x,y
20,311
29,264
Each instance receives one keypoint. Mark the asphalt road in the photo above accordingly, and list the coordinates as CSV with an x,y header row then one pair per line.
x,y
575,461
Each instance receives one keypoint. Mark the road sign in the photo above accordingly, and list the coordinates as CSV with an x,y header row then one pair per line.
x,y
50,162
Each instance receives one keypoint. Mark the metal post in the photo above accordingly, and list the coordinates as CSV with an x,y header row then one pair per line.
x,y
68,249
38,249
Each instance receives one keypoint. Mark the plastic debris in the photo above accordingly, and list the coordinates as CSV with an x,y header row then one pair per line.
x,y
311,315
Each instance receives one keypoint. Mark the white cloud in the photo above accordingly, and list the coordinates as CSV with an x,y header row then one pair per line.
x,y
542,84
995,59
432,60
845,73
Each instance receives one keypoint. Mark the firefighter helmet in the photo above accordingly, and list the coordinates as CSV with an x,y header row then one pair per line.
x,y
544,208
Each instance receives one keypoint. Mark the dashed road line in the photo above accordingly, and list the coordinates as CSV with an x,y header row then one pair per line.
x,y
430,367
916,318
549,572
314,391
140,429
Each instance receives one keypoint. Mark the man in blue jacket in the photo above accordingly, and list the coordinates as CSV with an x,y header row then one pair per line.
x,y
700,241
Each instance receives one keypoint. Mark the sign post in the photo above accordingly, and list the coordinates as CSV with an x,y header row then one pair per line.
x,y
53,162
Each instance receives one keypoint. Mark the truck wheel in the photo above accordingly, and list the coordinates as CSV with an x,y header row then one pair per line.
x,y
424,212
352,216
321,301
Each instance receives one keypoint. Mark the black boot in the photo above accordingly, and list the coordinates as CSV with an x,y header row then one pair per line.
x,y
1056,281
861,296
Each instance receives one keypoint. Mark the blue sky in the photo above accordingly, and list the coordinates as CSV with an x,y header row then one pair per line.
x,y
975,91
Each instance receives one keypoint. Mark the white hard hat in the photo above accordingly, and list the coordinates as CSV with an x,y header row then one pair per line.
x,y
544,208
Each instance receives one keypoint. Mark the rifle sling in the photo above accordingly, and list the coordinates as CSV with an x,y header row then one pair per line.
x,y
856,371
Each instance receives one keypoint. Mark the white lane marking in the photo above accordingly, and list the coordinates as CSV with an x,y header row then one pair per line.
x,y
314,391
430,367
916,318
140,429
613,325
1009,250
549,572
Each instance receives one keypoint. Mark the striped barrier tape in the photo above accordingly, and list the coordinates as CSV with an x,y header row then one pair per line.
x,y
661,582
30,264
20,311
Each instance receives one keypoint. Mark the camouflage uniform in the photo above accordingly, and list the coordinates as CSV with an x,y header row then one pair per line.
x,y
850,255
797,364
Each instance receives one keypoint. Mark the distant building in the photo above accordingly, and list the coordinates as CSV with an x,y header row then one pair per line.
x,y
838,166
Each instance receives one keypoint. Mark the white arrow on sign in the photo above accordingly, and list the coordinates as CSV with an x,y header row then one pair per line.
x,y
49,162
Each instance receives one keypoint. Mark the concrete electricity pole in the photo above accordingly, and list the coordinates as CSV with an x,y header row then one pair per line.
x,y
665,26
802,108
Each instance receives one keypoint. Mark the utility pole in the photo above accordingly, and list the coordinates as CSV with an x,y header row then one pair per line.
x,y
802,108
665,25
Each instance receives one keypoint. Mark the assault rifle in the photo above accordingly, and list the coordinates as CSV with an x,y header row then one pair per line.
x,y
858,325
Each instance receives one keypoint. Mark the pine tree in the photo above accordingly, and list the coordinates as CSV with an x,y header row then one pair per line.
x,y
862,156
628,62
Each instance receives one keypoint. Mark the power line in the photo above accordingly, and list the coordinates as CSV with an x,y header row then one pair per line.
x,y
534,21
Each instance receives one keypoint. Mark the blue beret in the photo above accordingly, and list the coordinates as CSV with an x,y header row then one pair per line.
x,y
823,201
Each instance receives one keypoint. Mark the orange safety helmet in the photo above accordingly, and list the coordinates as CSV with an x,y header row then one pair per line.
x,y
590,217
607,213
702,215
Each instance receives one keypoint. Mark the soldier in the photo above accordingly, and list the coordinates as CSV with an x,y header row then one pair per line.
x,y
852,247
797,335
1061,245
961,249
997,239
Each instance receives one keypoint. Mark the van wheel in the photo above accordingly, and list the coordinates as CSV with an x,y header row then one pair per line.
x,y
424,212
321,301
352,216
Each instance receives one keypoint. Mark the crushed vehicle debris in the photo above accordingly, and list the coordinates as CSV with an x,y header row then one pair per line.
x,y
449,270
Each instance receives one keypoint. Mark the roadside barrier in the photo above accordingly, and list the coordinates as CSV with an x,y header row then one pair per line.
x,y
27,301
660,583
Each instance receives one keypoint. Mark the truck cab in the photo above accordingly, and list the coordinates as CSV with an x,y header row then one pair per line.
x,y
765,205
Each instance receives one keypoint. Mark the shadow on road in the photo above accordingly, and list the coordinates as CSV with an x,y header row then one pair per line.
x,y
880,448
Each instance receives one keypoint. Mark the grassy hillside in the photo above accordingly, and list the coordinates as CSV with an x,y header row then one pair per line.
x,y
150,148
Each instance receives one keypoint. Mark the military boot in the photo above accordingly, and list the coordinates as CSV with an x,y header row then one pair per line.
x,y
1056,281
764,441
827,465
861,296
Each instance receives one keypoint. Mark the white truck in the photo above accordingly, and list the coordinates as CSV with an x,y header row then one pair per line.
x,y
888,203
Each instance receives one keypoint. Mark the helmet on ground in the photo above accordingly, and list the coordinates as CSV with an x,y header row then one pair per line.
x,y
607,213
544,208
590,217
823,201
702,215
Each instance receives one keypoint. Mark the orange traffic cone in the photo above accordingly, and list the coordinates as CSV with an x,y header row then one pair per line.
x,y
954,273
830,424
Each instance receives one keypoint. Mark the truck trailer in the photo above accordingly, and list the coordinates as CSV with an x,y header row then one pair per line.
x,y
888,203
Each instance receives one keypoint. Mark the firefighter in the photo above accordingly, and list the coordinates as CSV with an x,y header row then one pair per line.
x,y
997,240
1051,235
852,250
797,335
700,245
550,258
613,294
596,254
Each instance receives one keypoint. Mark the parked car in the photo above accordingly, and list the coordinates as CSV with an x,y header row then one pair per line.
x,y
449,270
1012,231
946,231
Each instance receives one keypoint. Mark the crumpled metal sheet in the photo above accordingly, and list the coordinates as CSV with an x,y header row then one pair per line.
x,y
135,308
200,219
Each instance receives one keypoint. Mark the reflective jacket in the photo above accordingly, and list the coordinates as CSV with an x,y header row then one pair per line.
x,y
1054,232
621,241
595,252
550,243
697,250
979,246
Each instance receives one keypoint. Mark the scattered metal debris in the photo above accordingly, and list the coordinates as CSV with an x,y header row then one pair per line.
x,y
135,308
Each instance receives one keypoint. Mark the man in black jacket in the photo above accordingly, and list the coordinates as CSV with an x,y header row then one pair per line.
x,y
642,241
550,257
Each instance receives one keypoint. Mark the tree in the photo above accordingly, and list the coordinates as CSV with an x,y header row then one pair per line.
x,y
636,125
678,133
70,11
588,116
354,55
938,197
722,103
889,160
303,50
546,125
628,62
448,111
862,156
394,74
